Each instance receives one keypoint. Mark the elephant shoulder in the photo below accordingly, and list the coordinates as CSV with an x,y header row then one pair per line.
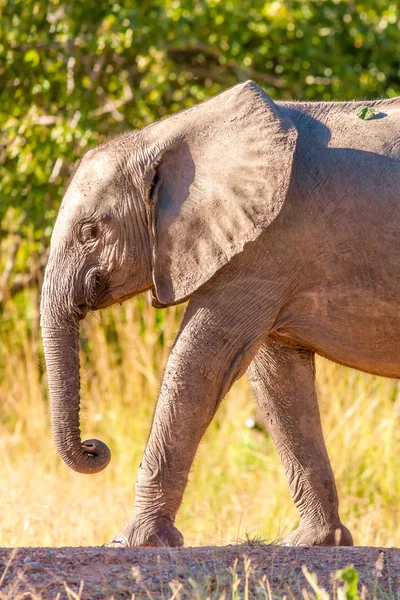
x,y
338,125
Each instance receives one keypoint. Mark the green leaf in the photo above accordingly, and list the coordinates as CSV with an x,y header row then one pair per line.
x,y
350,576
32,57
366,113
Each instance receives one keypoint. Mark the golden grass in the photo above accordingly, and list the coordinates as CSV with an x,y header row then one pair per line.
x,y
237,489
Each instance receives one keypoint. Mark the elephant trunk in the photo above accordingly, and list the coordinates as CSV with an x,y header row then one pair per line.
x,y
61,350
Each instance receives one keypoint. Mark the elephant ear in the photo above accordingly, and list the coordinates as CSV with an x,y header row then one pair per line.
x,y
221,177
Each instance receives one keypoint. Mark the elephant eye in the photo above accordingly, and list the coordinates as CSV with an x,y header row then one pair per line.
x,y
90,232
94,232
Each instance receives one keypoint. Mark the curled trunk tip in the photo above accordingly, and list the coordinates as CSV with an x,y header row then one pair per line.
x,y
97,457
89,457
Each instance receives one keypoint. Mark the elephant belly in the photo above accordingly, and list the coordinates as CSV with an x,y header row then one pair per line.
x,y
353,328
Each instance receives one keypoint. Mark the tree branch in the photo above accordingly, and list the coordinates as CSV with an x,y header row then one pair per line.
x,y
240,71
10,263
25,280
112,106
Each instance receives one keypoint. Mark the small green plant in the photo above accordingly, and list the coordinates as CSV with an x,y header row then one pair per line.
x,y
349,591
366,113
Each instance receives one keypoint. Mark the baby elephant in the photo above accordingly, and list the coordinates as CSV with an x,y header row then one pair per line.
x,y
280,224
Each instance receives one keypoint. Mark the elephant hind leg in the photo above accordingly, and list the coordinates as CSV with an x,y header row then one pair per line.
x,y
283,380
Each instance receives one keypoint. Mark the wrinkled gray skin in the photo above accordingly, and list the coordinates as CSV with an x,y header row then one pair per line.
x,y
280,223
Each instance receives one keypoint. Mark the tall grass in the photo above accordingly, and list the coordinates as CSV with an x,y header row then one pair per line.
x,y
237,489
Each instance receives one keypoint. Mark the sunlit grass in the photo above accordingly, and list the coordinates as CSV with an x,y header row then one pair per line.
x,y
237,488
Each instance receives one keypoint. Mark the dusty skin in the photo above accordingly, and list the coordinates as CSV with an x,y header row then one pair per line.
x,y
278,222
271,572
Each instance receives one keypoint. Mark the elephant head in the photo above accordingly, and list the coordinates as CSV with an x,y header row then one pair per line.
x,y
164,209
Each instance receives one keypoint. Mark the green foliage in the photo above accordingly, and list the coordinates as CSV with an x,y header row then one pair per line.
x,y
349,576
366,113
349,591
72,73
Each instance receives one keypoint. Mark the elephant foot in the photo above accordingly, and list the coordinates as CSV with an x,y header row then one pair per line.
x,y
161,532
306,535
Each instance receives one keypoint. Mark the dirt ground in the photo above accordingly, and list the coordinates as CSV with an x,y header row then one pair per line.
x,y
151,573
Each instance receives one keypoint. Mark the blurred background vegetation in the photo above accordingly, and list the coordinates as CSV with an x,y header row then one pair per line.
x,y
73,72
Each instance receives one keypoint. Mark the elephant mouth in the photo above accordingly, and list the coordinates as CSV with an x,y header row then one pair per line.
x,y
106,298
97,294
117,294
104,301
81,310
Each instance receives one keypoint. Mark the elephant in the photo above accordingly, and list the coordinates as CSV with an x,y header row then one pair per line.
x,y
279,224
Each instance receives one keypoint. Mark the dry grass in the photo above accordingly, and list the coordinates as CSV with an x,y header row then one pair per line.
x,y
237,487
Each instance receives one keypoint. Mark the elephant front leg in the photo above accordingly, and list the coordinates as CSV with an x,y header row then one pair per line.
x,y
205,360
284,383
